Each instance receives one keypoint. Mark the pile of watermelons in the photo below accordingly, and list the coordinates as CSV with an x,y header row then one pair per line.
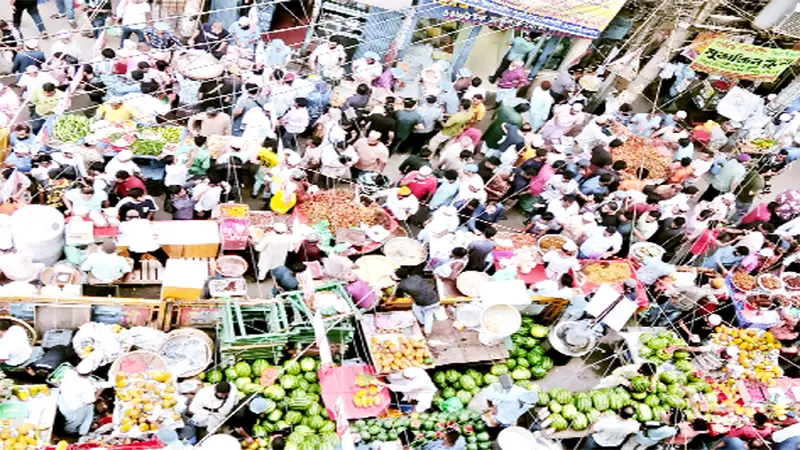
x,y
426,427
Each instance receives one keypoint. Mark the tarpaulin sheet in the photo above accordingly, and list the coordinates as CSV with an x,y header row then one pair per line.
x,y
341,382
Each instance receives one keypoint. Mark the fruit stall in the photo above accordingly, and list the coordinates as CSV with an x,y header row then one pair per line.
x,y
329,212
395,342
27,414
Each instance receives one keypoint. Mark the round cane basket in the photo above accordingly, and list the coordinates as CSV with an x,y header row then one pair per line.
x,y
32,336
405,251
469,283
189,333
141,360
231,266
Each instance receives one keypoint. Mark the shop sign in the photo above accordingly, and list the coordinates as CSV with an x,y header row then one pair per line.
x,y
577,18
198,317
127,316
743,61
455,10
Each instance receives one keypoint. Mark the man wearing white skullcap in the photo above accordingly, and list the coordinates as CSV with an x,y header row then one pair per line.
x,y
372,154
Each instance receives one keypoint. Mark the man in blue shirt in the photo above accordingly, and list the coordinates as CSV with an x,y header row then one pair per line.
x,y
519,49
725,258
486,215
20,158
30,56
286,279
685,149
447,191
597,184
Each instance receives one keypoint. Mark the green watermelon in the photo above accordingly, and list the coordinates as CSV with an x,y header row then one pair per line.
x,y
538,372
521,374
242,369
561,395
292,367
668,377
644,413
639,384
580,422
651,400
214,376
600,401
308,364
569,411
293,417
547,363
440,379
555,407
535,359
288,382
467,382
582,402
230,374
593,415
543,398
497,370
538,331
558,422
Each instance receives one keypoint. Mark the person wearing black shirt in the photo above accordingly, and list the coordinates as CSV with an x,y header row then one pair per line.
x,y
99,11
211,37
426,300
382,122
415,162
487,167
10,39
670,235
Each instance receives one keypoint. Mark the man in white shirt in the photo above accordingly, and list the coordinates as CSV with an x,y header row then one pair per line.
x,y
558,263
15,348
294,123
611,432
76,400
212,404
257,123
564,209
66,45
600,243
401,203
328,59
106,265
135,15
123,162
138,234
33,79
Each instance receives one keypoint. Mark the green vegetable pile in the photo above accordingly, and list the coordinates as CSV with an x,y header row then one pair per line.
x,y
146,147
426,427
655,350
294,400
579,410
154,147
69,128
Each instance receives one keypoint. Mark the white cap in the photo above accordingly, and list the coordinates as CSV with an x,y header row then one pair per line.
x,y
680,114
772,97
536,140
374,134
569,246
294,159
244,21
125,155
577,107
714,319
785,117
425,171
32,43
279,227
161,26
588,216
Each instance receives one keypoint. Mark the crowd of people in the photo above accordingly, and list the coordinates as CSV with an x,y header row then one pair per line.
x,y
472,155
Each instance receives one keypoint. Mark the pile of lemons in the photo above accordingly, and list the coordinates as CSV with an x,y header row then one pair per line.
x,y
147,400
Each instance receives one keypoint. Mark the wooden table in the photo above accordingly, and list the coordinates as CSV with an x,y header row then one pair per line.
x,y
450,346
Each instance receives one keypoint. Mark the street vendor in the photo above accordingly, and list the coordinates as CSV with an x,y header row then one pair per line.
x,y
452,267
401,203
424,296
212,404
417,386
507,405
106,265
76,399
561,261
621,376
15,347
273,249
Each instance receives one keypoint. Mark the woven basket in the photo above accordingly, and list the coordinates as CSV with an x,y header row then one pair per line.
x,y
229,262
405,251
195,333
32,336
469,283
151,361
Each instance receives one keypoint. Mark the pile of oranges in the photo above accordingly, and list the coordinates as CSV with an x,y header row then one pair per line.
x,y
758,352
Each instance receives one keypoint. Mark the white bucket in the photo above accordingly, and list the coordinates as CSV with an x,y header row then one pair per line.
x,y
516,438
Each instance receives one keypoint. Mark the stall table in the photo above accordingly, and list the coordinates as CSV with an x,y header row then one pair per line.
x,y
39,411
451,346
183,238
746,315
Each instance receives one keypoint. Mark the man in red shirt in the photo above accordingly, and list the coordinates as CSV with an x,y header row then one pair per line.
x,y
126,182
421,182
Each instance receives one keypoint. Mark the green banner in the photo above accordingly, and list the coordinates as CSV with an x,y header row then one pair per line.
x,y
744,61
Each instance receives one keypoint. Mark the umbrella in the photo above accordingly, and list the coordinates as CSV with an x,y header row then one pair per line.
x,y
789,201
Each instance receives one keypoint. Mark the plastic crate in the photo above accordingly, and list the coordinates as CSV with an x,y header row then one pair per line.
x,y
340,327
